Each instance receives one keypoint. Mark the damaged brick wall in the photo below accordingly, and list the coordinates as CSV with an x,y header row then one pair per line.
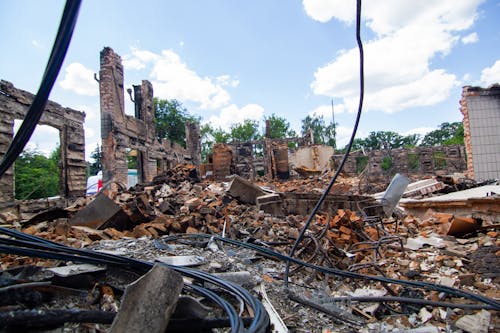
x,y
481,110
379,165
14,104
121,133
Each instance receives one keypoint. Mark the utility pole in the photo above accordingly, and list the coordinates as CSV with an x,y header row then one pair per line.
x,y
334,126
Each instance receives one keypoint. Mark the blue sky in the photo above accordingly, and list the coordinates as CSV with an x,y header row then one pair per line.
x,y
228,60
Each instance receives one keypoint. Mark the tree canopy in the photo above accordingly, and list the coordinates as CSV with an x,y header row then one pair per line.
x,y
385,140
279,128
322,133
36,176
446,134
170,120
246,131
96,166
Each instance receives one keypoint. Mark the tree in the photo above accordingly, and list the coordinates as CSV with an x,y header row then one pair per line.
x,y
279,128
322,133
170,119
96,166
385,140
246,131
210,136
36,176
447,134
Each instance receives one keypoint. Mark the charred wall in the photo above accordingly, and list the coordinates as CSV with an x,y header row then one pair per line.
x,y
14,104
121,133
380,165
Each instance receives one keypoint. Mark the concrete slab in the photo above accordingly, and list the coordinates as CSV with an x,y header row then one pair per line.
x,y
148,302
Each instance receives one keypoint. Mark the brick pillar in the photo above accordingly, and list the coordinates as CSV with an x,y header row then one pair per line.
x,y
193,142
114,141
143,96
467,136
222,161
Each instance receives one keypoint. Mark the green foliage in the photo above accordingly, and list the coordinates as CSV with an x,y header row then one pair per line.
x,y
386,163
209,137
385,140
36,176
413,161
246,131
170,119
132,159
322,133
439,160
279,128
95,166
447,134
361,163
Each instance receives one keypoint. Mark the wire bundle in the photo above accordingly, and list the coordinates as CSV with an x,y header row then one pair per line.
x,y
32,246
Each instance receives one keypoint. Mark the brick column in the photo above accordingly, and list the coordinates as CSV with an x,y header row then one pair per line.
x,y
114,142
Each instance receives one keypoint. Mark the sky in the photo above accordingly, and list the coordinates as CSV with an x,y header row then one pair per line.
x,y
230,60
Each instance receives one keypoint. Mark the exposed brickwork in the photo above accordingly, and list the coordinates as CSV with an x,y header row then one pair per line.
x,y
223,165
415,161
121,133
14,104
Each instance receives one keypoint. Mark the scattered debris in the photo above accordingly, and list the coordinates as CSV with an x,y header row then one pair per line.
x,y
178,220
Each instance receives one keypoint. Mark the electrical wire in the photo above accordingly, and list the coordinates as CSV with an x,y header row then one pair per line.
x,y
349,146
57,55
347,274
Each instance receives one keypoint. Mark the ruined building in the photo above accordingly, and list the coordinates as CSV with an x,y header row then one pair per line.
x,y
481,110
14,104
121,133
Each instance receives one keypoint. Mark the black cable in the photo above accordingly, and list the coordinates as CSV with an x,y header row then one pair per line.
x,y
59,49
235,320
34,246
349,146
347,274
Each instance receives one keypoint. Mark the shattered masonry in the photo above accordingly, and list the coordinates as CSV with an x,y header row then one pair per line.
x,y
418,161
481,110
14,104
121,133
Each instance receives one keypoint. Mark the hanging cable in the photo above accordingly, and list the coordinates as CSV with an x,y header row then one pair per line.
x,y
59,49
349,146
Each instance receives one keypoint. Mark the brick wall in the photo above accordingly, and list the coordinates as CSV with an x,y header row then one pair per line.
x,y
14,104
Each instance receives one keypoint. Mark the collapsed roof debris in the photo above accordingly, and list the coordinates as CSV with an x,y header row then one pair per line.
x,y
351,271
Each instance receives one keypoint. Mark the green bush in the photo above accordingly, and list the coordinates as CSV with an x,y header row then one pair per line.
x,y
386,163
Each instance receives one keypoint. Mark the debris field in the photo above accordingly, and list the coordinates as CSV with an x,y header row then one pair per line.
x,y
137,260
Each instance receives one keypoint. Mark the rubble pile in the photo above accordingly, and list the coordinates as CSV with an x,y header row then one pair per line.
x,y
357,269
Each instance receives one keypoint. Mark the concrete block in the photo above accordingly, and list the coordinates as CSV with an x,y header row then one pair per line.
x,y
148,302
244,190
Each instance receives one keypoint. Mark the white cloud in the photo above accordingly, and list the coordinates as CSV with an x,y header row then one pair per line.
x,y
232,114
344,135
173,79
44,139
398,73
422,131
324,10
491,75
80,80
326,111
470,38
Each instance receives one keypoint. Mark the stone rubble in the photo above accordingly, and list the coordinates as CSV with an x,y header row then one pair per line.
x,y
409,248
